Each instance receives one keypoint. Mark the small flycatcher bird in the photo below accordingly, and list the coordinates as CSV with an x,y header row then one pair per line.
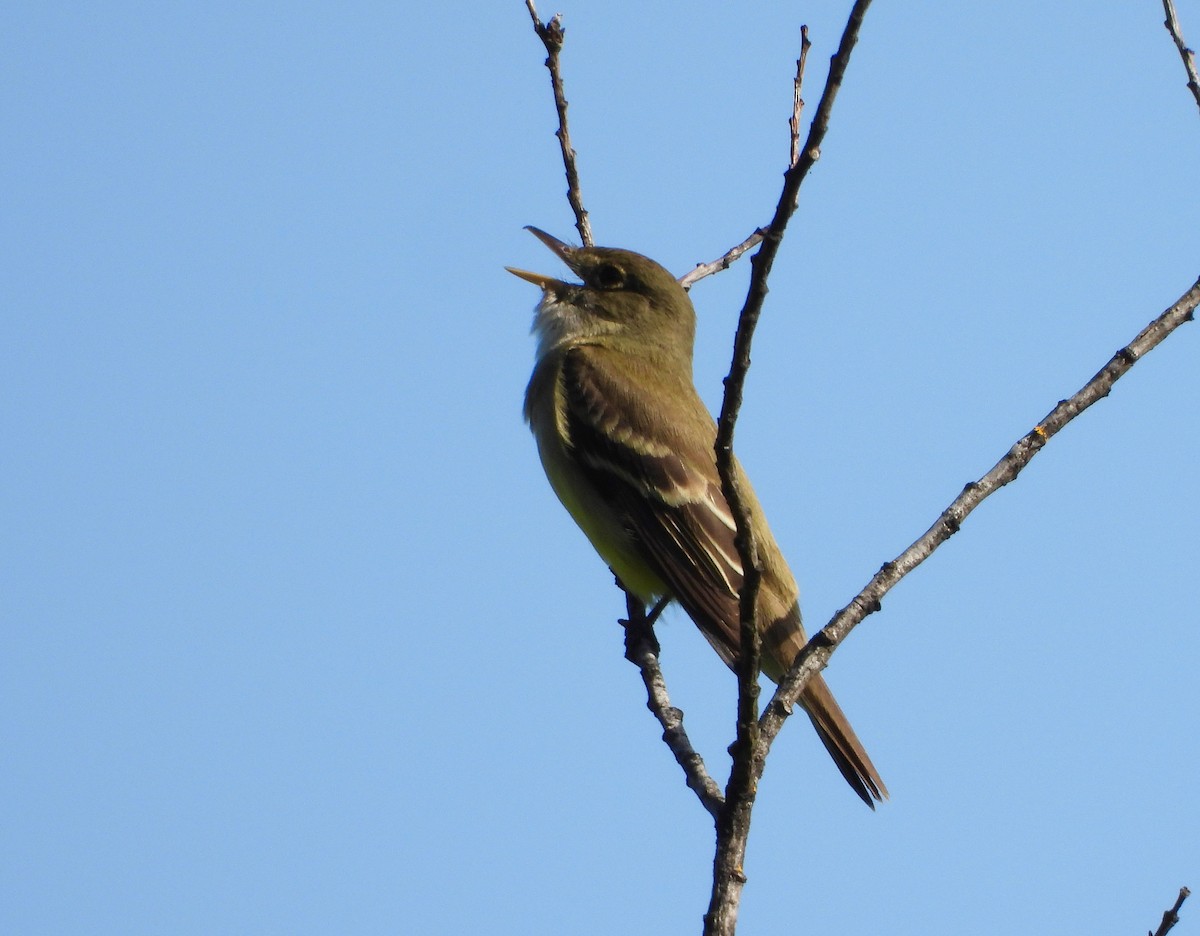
x,y
627,445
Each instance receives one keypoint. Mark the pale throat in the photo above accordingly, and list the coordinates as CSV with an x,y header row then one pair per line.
x,y
558,324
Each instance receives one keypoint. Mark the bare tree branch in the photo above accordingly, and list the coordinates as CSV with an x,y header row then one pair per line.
x,y
1171,917
818,650
733,824
724,262
1188,56
552,33
642,649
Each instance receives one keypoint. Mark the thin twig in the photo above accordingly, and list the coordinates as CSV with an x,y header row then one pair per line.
x,y
734,253
1188,56
817,651
642,649
733,826
797,100
552,33
724,262
1171,917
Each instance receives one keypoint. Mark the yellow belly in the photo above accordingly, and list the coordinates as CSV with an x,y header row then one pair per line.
x,y
602,527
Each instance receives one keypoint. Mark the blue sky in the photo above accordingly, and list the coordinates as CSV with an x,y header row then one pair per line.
x,y
295,637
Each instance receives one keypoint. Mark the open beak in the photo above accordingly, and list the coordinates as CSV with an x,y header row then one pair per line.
x,y
538,279
564,251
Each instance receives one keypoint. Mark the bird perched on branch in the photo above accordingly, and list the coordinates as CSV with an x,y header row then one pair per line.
x,y
627,445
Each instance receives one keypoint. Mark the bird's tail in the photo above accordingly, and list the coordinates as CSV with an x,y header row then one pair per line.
x,y
841,741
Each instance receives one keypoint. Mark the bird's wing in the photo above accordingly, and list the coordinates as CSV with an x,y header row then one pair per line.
x,y
663,482
664,485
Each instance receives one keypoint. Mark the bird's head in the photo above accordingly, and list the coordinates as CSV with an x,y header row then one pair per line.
x,y
623,296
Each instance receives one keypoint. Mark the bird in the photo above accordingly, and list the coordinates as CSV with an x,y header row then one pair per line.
x,y
627,445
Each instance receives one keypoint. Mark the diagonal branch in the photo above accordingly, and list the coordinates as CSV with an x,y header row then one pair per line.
x,y
818,650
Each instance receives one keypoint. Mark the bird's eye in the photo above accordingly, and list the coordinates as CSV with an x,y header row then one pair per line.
x,y
609,276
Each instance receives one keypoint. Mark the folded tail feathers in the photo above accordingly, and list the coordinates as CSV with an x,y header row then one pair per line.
x,y
842,743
